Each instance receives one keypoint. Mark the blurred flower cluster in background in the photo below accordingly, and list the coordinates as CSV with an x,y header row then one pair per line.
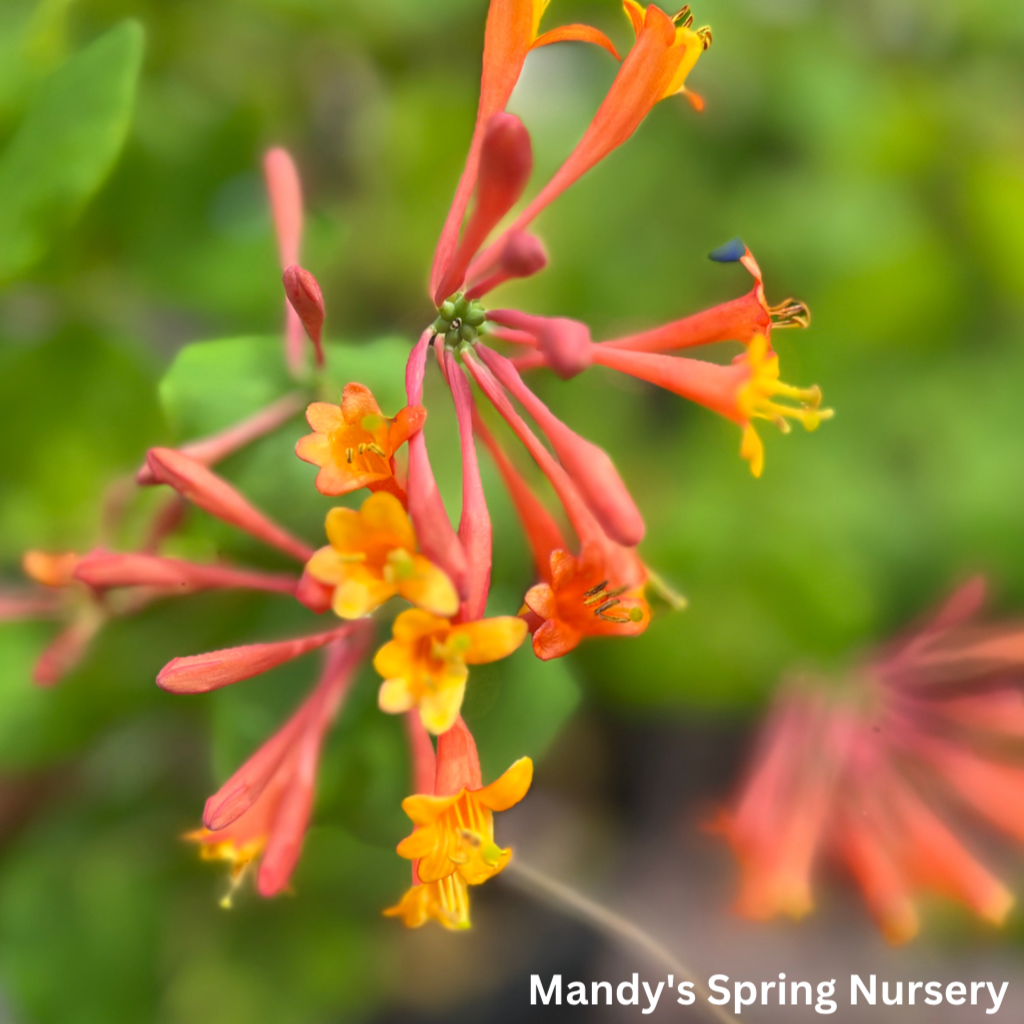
x,y
869,153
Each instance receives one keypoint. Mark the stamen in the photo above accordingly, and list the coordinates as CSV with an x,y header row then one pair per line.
x,y
597,589
683,17
608,604
348,456
362,448
790,313
704,34
376,449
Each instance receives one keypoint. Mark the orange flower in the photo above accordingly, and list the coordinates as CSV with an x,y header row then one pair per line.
x,y
455,833
354,444
426,664
372,556
582,601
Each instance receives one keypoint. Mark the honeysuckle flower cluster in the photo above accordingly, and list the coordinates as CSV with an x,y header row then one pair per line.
x,y
399,549
870,774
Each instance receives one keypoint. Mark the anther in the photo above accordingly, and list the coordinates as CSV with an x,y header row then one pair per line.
x,y
704,34
610,603
791,313
376,449
362,449
683,16
348,456
596,590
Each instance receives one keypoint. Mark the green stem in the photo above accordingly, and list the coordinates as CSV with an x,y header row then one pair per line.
x,y
606,921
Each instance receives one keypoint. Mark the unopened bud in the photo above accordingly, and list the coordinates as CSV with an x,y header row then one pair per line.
x,y
304,294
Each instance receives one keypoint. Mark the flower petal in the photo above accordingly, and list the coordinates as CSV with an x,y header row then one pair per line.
x,y
429,588
324,417
439,710
555,639
509,789
357,402
394,696
491,639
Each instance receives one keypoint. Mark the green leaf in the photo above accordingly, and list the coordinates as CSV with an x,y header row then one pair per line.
x,y
66,145
33,41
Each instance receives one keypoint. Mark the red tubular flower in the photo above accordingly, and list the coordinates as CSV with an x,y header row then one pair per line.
x,y
303,293
656,67
105,569
863,777
475,523
590,468
201,673
438,541
262,812
197,484
512,31
285,193
741,319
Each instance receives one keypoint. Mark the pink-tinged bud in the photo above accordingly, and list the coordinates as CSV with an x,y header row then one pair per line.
x,y
211,450
306,298
285,193
201,673
522,255
194,481
438,541
565,344
422,759
458,764
103,569
506,162
67,650
475,524
316,596
589,466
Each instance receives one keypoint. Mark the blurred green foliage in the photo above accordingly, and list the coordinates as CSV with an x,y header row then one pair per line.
x,y
871,155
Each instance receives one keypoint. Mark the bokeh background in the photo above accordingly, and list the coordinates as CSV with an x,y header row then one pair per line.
x,y
870,152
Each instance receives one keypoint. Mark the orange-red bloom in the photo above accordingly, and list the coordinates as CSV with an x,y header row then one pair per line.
x,y
862,776
354,444
583,600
